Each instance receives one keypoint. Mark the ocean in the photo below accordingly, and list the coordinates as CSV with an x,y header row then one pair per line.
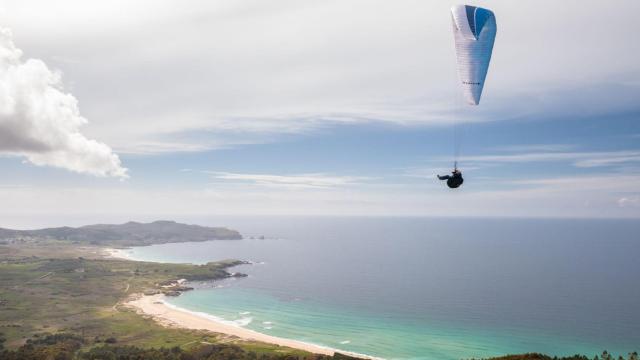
x,y
426,288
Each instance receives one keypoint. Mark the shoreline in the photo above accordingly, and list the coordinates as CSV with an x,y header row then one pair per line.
x,y
172,316
169,315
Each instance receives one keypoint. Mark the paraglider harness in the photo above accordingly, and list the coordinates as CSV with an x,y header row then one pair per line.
x,y
455,179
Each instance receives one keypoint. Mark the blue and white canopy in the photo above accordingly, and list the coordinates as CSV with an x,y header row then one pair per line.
x,y
474,31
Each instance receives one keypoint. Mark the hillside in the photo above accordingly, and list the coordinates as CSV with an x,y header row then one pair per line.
x,y
128,234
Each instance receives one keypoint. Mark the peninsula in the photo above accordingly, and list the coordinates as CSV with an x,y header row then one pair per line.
x,y
129,234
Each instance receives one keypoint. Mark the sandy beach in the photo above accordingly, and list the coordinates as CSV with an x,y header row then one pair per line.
x,y
114,253
154,306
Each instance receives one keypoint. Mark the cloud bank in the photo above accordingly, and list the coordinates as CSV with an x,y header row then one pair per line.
x,y
41,122
317,181
578,159
264,72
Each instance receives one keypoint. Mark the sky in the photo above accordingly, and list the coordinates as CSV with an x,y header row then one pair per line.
x,y
120,110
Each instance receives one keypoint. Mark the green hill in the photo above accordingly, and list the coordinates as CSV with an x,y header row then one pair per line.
x,y
128,234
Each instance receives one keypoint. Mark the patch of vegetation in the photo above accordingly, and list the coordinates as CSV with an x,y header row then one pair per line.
x,y
68,346
58,347
534,356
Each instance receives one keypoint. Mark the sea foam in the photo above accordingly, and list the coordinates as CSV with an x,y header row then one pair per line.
x,y
242,322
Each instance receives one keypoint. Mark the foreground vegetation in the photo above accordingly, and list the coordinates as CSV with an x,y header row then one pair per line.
x,y
68,347
604,356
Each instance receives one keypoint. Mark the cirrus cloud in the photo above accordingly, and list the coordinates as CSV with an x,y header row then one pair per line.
x,y
41,122
317,181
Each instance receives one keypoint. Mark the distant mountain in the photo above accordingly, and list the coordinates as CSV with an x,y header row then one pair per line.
x,y
128,234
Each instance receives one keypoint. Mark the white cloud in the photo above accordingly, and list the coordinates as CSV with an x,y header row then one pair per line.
x,y
41,122
618,183
317,181
536,148
629,201
611,159
626,161
578,159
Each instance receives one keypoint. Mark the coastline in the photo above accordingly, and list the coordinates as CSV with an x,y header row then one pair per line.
x,y
168,315
172,316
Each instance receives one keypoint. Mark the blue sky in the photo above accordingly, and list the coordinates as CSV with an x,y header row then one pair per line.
x,y
307,108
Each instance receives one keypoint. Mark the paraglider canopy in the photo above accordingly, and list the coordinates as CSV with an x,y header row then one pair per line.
x,y
474,32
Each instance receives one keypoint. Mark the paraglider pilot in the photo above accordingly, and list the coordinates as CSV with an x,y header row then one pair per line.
x,y
454,180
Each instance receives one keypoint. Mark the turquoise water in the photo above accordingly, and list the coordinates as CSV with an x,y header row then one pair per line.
x,y
358,331
427,288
